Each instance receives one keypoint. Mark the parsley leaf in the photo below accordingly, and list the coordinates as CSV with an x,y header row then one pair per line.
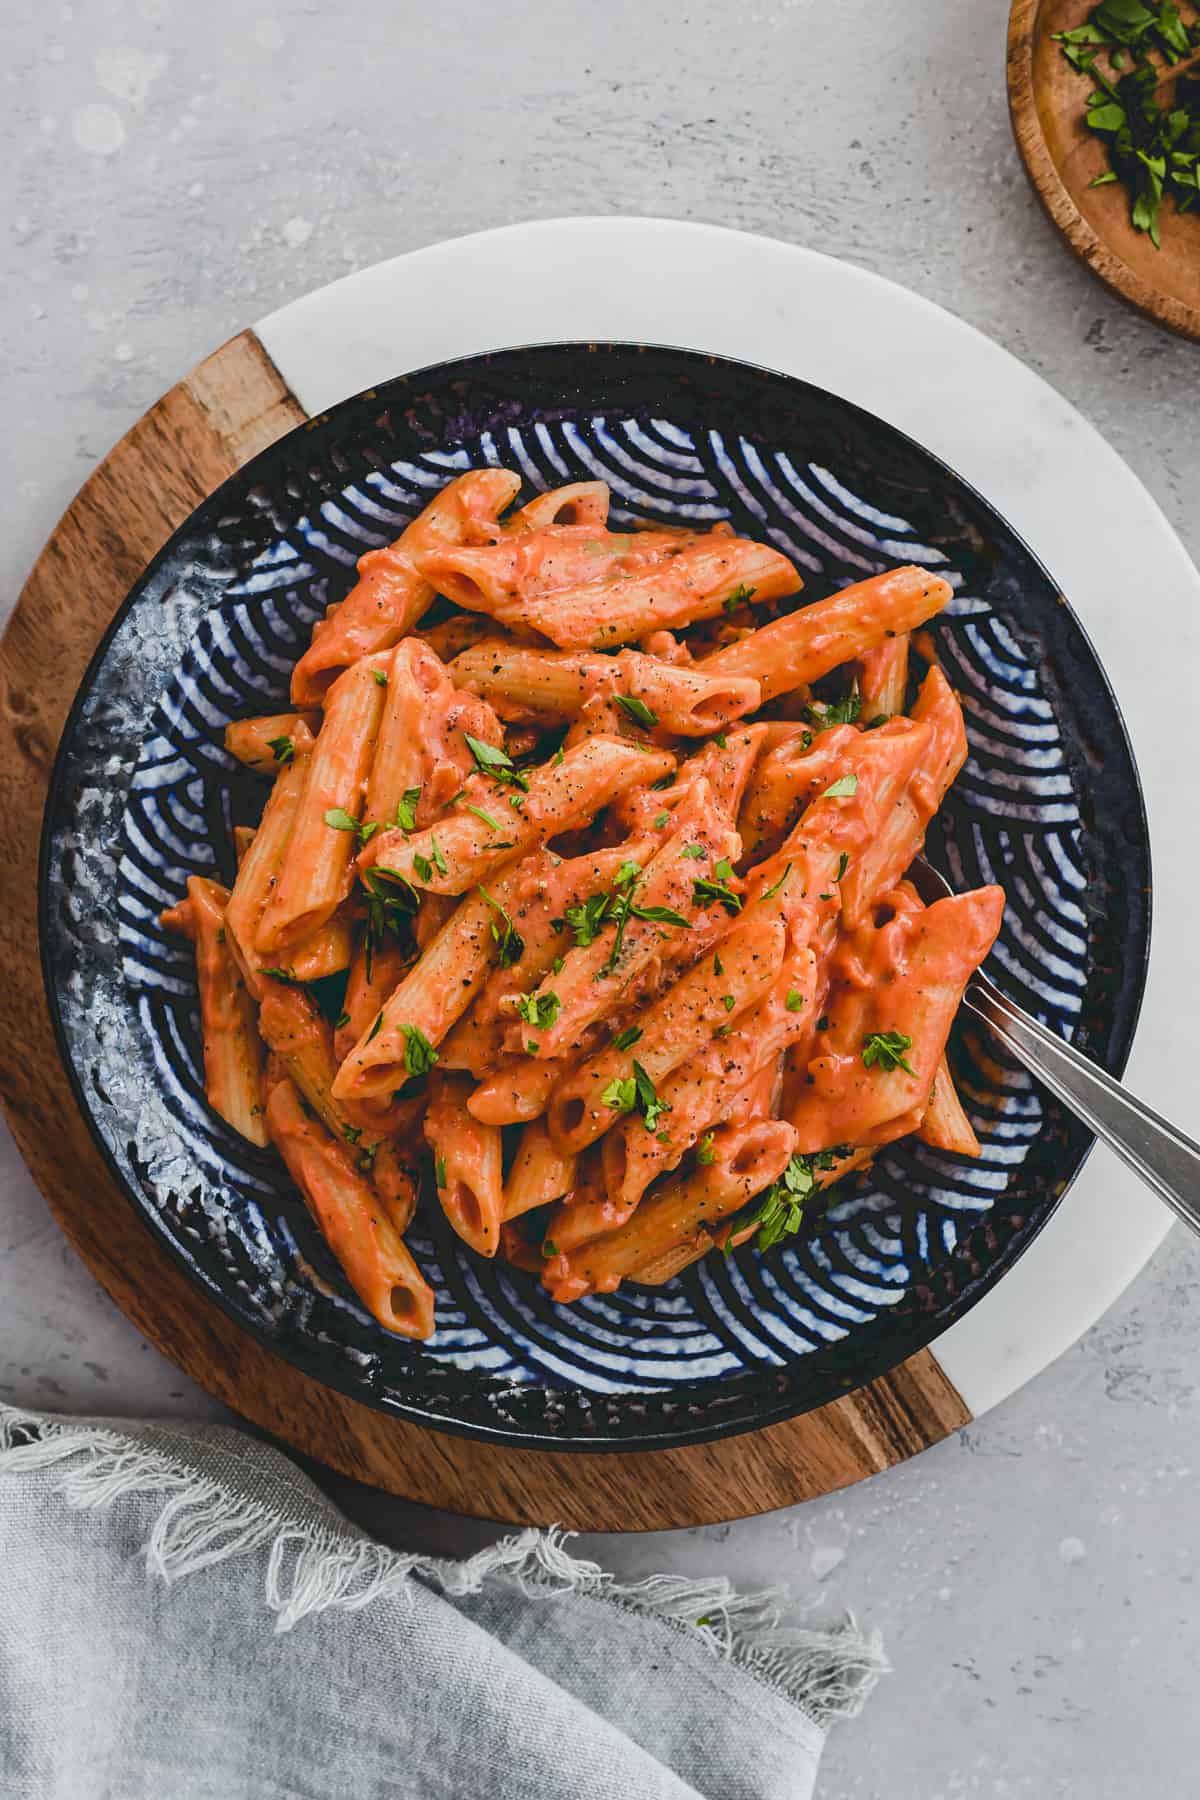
x,y
705,1154
620,1094
419,1053
439,1171
586,919
886,1049
423,866
637,710
779,1213
494,762
625,1040
439,860
842,788
377,1027
776,885
843,864
661,820
406,809
340,820
379,678
717,888
510,945
837,712
692,851
492,824
739,597
539,1010
794,1001
283,749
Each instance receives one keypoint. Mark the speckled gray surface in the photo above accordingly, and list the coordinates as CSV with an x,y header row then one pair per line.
x,y
170,173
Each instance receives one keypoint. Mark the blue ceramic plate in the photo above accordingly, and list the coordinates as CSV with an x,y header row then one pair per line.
x,y
1048,805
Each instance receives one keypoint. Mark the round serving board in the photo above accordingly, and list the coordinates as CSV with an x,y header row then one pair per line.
x,y
729,294
1047,99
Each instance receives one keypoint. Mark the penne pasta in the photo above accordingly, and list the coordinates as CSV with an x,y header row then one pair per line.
x,y
587,589
355,1226
472,841
233,1050
806,644
528,685
540,1172
583,893
269,744
685,1017
391,594
945,1124
897,983
679,1211
467,1164
316,870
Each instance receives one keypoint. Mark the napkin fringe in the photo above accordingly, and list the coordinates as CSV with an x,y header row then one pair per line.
x,y
829,1673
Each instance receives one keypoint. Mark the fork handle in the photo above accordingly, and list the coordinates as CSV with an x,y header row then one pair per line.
x,y
1166,1160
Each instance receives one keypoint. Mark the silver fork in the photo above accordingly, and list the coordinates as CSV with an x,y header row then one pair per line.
x,y
1166,1159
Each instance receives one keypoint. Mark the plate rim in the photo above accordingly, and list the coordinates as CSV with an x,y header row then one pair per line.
x,y
297,1351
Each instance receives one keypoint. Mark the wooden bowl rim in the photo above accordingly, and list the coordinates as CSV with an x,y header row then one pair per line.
x,y
1056,197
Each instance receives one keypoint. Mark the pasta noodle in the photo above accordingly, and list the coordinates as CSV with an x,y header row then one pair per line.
x,y
543,919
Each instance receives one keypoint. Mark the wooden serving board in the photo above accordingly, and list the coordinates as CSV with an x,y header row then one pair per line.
x,y
1047,99
230,407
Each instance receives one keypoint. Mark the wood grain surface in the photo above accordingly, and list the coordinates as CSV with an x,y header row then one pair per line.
x,y
229,408
1047,99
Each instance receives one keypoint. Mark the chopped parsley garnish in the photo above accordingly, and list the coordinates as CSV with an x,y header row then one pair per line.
x,y
342,1020
718,888
776,885
739,597
288,976
556,965
837,712
842,788
721,741
283,749
539,1010
843,864
692,851
585,920
423,866
822,1023
664,781
419,1053
492,824
794,1001
549,1247
352,1133
625,1040
439,1171
705,1154
636,1092
718,965
885,1049
494,762
392,901
379,678
377,1027
439,861
879,719
510,945
728,1002
637,710
340,819
779,1213
1153,145
406,809
661,820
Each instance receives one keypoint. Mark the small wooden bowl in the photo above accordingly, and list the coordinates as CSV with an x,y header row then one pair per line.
x,y
1047,99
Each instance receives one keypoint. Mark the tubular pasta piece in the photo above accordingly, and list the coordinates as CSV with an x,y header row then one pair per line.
x,y
269,744
422,746
579,503
883,678
902,974
464,848
584,588
945,1124
233,1050
540,1172
390,594
527,684
674,1028
681,1209
467,1164
355,1226
317,864
806,644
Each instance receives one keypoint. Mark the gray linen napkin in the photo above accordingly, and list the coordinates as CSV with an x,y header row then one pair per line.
x,y
301,1658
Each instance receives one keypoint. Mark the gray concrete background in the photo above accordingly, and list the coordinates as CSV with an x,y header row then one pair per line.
x,y
171,172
